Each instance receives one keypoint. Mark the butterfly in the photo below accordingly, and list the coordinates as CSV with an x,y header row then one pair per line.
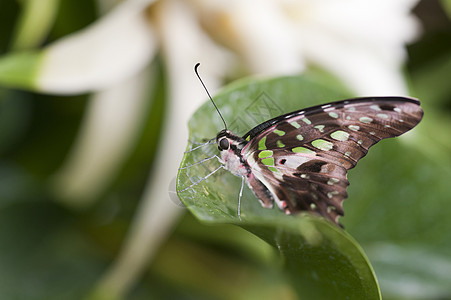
x,y
299,160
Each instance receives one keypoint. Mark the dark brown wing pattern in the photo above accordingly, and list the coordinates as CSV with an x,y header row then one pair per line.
x,y
303,157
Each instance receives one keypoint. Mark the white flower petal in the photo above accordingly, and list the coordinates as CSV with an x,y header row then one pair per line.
x,y
363,72
381,27
116,47
106,137
257,31
360,41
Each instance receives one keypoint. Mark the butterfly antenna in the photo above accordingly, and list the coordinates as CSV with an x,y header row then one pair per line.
x,y
200,79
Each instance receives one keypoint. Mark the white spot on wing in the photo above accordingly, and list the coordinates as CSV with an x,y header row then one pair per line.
x,y
333,115
320,128
354,127
278,175
375,107
365,120
332,181
331,194
293,161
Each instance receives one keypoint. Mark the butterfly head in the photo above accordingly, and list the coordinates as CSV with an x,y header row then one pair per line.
x,y
230,146
228,141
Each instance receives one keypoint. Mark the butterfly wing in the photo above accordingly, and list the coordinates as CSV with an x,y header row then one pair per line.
x,y
302,158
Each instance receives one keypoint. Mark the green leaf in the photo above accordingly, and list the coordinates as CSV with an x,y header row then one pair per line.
x,y
397,208
412,271
447,7
34,23
40,243
429,83
320,259
20,69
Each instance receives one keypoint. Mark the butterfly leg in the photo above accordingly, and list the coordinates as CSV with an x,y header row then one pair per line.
x,y
239,197
202,142
209,142
201,161
202,179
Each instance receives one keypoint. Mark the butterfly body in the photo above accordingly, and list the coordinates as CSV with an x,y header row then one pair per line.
x,y
300,160
231,146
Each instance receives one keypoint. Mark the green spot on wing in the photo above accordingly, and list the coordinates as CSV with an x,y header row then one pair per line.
x,y
295,124
269,161
280,144
306,121
340,135
302,150
322,144
265,153
279,132
273,169
262,144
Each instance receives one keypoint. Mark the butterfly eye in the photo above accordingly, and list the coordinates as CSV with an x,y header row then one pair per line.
x,y
223,144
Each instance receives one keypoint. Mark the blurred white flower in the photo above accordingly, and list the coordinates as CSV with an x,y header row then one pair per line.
x,y
114,48
360,41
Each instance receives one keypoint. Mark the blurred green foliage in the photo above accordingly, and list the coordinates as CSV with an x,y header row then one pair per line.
x,y
397,209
